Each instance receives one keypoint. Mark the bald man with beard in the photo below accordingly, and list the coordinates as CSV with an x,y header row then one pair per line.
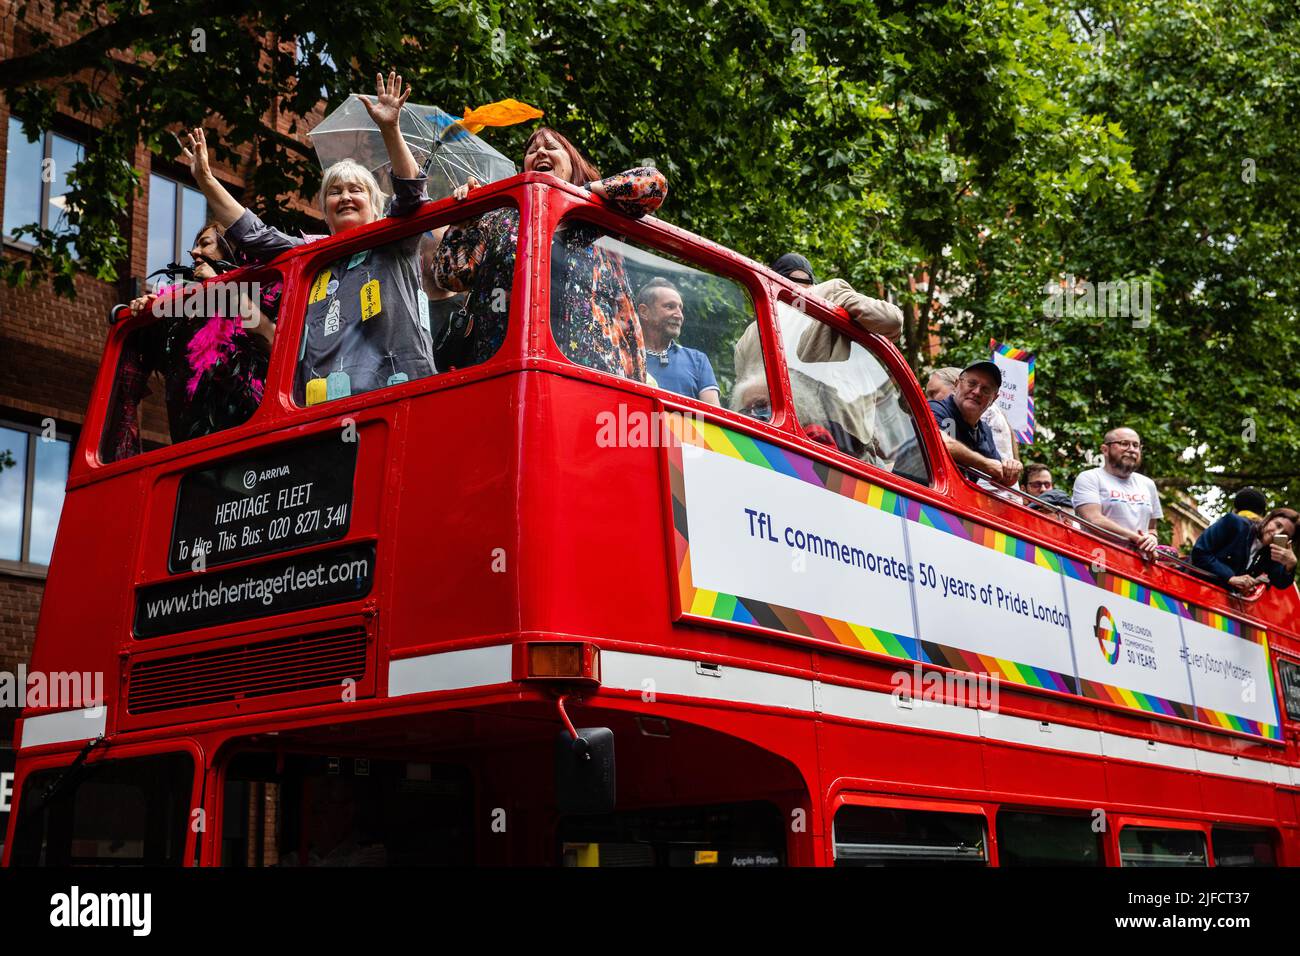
x,y
1116,497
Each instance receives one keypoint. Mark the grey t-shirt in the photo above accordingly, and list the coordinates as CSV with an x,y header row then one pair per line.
x,y
363,323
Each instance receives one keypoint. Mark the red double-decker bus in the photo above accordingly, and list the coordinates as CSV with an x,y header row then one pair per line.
x,y
526,611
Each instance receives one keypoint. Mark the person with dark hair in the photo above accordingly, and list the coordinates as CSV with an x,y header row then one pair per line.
x,y
874,315
213,365
593,316
1249,503
1038,479
1243,552
675,367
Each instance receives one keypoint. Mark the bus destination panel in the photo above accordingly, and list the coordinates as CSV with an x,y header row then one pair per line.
x,y
261,504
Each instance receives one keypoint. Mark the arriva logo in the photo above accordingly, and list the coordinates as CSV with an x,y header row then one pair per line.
x,y
1107,635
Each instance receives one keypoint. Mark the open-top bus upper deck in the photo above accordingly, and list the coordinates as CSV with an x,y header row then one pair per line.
x,y
757,597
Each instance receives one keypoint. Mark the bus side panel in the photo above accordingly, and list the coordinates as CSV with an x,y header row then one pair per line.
x,y
597,520
1044,773
1224,797
456,551
87,606
900,758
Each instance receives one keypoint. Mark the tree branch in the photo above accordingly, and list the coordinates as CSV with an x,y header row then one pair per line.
x,y
60,61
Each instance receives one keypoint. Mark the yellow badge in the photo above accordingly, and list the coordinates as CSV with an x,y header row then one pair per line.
x,y
316,391
370,304
320,287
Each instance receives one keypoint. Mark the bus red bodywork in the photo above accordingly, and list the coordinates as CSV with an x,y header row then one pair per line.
x,y
499,522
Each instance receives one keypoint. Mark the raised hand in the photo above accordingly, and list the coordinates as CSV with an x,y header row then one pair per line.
x,y
194,154
386,109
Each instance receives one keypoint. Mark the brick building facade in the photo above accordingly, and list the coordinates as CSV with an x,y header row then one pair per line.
x,y
50,348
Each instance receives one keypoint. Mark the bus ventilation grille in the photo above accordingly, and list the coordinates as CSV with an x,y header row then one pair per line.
x,y
298,663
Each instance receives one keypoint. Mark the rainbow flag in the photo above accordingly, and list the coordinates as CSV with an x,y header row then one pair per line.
x,y
1016,381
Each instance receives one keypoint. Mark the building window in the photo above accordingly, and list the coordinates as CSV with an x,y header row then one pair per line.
x,y
36,181
176,214
33,473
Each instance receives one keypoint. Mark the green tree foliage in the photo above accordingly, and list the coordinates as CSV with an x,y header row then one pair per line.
x,y
967,153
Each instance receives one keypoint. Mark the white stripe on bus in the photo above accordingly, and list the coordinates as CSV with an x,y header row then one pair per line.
x,y
64,727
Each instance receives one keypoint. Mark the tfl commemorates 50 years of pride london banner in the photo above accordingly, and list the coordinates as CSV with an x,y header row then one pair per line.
x,y
769,538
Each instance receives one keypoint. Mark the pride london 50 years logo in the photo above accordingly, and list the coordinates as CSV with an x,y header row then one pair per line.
x,y
1107,635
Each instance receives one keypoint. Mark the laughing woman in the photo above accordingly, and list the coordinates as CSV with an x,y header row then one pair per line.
x,y
593,315
362,327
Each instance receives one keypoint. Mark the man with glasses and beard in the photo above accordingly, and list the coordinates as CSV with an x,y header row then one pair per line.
x,y
1116,497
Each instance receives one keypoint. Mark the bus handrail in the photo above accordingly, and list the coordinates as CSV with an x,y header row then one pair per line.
x,y
1067,517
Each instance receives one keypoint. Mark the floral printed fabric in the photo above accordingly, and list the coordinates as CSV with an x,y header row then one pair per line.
x,y
593,316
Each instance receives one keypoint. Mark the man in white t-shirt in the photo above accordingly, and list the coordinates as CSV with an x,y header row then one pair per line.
x,y
1116,497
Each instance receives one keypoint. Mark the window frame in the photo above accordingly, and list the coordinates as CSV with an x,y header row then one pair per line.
x,y
1119,824
24,565
914,804
27,766
451,212
642,233
1066,812
100,416
1274,841
47,153
817,312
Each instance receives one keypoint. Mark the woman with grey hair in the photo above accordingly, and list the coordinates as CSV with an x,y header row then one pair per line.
x,y
362,329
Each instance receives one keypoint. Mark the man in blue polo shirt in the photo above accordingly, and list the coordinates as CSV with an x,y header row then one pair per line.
x,y
673,366
970,440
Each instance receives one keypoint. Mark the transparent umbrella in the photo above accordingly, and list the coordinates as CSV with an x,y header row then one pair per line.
x,y
448,152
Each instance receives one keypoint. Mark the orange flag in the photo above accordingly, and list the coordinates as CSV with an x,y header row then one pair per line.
x,y
500,113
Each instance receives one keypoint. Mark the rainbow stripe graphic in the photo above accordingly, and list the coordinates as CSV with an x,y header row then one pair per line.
x,y
740,609
1013,671
1124,587
1020,355
699,602
1246,632
1136,700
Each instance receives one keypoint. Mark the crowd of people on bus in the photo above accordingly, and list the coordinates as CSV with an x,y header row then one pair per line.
x,y
433,302
1241,550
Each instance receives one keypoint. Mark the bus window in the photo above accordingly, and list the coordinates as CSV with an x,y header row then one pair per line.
x,y
845,398
608,297
307,810
1047,839
1235,846
744,834
885,836
431,302
106,813
1150,846
208,346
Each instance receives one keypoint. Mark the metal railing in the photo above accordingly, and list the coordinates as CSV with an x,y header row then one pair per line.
x,y
1034,503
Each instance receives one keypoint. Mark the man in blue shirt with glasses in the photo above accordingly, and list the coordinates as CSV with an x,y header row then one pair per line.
x,y
673,366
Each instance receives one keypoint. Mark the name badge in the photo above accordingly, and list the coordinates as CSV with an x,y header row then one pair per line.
x,y
370,303
319,288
